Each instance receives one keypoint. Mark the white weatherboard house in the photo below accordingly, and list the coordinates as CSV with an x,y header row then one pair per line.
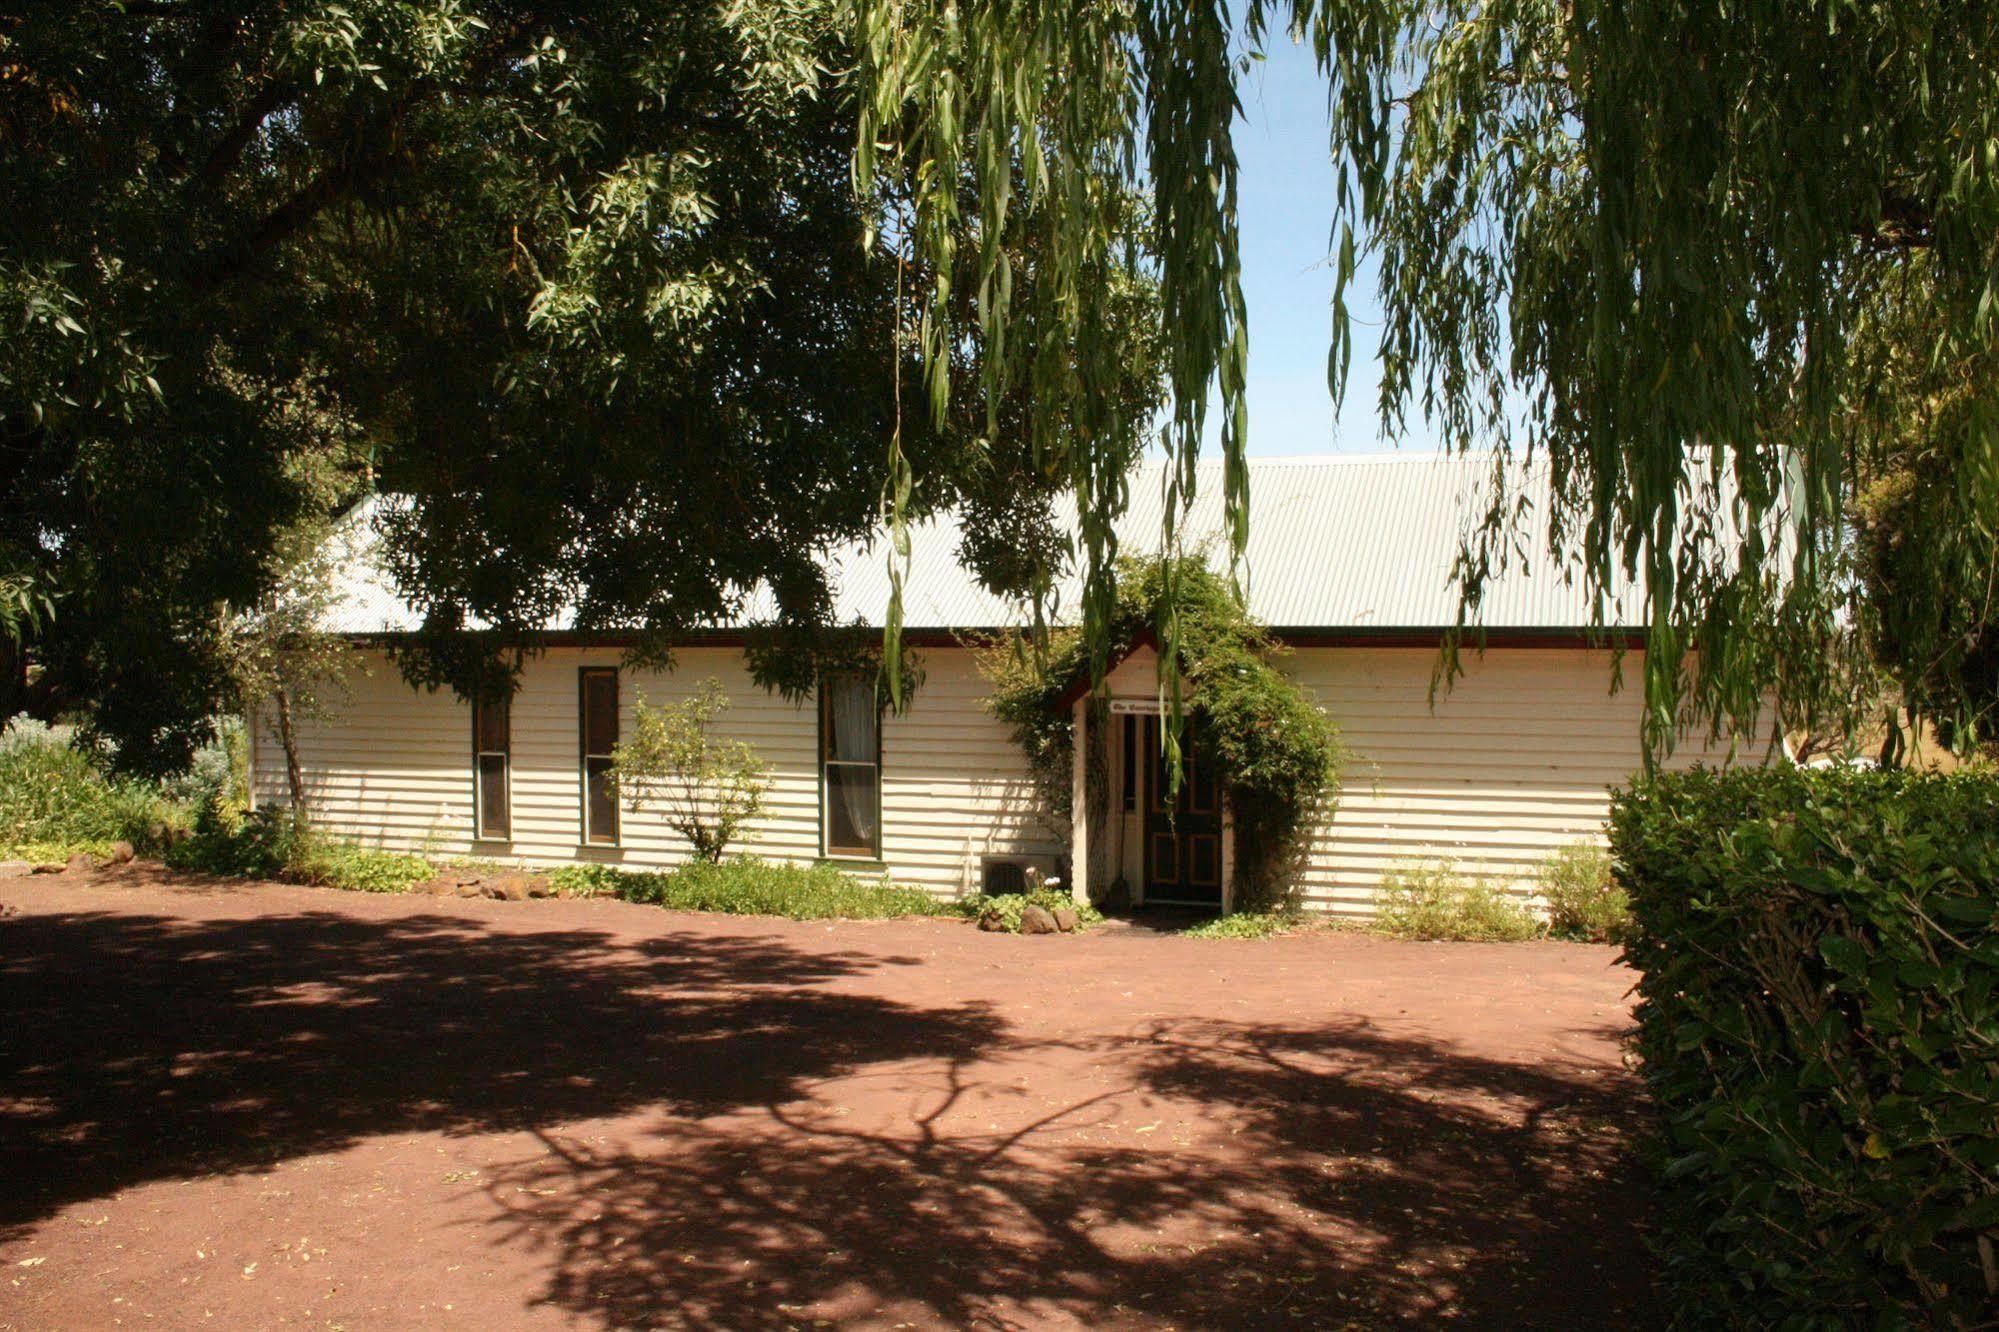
x,y
1349,563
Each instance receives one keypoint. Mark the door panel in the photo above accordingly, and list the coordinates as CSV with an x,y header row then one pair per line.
x,y
1183,836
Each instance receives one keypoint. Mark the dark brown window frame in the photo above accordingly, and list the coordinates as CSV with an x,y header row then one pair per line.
x,y
1129,798
585,755
826,847
480,830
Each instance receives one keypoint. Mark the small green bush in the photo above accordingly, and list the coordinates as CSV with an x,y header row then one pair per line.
x,y
1004,910
1584,902
1245,925
336,864
257,845
55,801
1819,1024
274,844
220,771
1436,902
750,887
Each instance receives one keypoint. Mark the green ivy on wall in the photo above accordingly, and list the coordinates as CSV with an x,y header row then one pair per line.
x,y
1278,752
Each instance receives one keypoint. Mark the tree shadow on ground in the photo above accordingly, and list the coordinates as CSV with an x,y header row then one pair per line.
x,y
136,1048
1513,1185
1337,1177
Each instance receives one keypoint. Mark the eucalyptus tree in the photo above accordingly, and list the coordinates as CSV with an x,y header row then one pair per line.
x,y
1927,551
1657,243
280,665
588,285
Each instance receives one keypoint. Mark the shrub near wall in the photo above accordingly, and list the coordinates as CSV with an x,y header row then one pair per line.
x,y
55,801
1819,1022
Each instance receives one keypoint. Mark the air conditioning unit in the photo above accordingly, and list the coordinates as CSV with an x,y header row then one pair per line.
x,y
1009,873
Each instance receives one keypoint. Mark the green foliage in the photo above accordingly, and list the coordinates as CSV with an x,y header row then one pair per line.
x,y
55,801
590,287
259,844
1923,552
1583,900
1437,902
1818,1016
1004,910
336,864
50,853
1636,242
280,664
704,788
1245,925
273,843
220,772
1078,346
1279,753
749,887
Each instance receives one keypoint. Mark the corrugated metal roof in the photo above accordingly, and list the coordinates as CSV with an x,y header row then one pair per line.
x,y
1339,543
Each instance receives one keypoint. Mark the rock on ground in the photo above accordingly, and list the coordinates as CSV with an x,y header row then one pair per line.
x,y
1038,920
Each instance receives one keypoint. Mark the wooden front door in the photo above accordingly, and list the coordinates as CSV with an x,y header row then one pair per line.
x,y
1183,836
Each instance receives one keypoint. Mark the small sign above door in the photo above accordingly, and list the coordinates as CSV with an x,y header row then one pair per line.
x,y
1136,707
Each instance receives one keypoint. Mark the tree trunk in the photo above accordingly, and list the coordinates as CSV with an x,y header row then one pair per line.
x,y
288,737
13,679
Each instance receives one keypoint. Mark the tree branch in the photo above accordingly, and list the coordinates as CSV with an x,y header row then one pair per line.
x,y
268,100
1904,224
335,183
343,180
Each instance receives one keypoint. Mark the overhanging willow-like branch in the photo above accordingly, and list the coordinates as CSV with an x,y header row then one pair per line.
x,y
1632,242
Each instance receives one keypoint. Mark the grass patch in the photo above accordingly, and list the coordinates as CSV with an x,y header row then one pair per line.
x,y
1436,902
336,864
49,853
1584,902
55,802
1006,909
747,886
1246,925
272,844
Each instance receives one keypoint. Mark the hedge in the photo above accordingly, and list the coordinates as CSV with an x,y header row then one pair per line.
x,y
1819,1025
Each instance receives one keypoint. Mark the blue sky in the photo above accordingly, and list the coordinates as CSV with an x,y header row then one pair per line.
x,y
1286,211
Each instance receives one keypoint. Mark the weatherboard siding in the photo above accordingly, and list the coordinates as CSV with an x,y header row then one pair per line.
x,y
387,766
955,788
1515,761
392,768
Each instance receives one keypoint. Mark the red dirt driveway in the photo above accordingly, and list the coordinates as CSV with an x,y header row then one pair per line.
x,y
259,1106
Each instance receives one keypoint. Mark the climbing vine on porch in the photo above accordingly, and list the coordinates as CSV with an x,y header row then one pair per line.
x,y
1279,753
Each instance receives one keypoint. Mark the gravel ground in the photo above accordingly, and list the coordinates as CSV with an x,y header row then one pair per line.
x,y
258,1106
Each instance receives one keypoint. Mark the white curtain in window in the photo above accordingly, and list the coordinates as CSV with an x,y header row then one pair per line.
x,y
854,719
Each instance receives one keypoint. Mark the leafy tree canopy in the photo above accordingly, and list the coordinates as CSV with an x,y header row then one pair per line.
x,y
588,284
1719,265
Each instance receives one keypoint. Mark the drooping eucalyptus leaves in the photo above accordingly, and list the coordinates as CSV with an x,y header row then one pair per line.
x,y
1650,241
1022,124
